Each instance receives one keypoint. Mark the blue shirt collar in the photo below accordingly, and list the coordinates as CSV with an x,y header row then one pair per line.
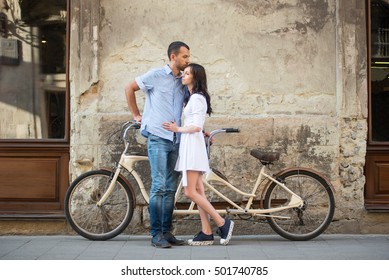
x,y
170,71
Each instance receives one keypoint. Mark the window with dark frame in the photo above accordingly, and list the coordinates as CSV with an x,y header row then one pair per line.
x,y
33,76
379,107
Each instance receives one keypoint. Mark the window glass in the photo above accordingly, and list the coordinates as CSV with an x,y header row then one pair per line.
x,y
379,70
33,69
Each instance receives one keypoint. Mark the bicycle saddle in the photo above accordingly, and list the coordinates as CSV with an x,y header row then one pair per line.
x,y
265,157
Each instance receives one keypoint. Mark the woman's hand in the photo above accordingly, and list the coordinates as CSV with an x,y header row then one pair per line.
x,y
171,126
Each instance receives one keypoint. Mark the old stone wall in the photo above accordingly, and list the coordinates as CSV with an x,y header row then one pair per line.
x,y
291,74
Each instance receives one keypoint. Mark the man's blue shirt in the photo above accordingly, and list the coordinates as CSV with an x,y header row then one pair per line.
x,y
164,101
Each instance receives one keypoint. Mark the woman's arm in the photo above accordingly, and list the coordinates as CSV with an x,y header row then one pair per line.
x,y
172,126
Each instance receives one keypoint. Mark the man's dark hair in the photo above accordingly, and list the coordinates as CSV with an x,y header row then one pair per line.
x,y
175,47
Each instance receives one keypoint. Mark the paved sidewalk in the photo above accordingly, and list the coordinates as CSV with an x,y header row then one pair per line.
x,y
261,247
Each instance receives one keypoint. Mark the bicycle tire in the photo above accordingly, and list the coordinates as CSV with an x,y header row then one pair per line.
x,y
91,221
315,215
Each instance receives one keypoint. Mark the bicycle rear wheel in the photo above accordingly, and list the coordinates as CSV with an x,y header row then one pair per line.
x,y
91,221
308,221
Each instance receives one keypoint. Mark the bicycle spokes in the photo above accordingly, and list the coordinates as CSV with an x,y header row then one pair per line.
x,y
93,221
312,217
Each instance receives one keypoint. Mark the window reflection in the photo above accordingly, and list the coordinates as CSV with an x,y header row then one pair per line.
x,y
33,69
379,70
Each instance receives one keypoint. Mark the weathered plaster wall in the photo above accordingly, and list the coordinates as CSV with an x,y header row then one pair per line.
x,y
290,74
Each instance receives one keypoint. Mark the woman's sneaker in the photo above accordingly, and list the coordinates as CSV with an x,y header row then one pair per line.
x,y
201,239
225,232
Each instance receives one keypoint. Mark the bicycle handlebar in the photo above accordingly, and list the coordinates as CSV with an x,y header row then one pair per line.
x,y
136,125
128,125
217,131
231,130
223,130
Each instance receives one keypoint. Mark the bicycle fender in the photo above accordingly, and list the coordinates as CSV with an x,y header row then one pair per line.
x,y
305,169
126,181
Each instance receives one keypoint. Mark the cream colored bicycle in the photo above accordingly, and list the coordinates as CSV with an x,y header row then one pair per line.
x,y
298,203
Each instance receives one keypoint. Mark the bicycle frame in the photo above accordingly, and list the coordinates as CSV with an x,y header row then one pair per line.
x,y
295,201
128,162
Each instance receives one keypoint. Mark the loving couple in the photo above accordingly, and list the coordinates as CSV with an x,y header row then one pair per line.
x,y
178,87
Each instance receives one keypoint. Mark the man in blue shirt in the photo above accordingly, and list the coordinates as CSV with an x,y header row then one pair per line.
x,y
164,102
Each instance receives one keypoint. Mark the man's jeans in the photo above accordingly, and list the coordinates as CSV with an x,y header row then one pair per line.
x,y
163,155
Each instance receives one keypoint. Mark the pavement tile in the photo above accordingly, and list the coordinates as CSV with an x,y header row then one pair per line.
x,y
258,247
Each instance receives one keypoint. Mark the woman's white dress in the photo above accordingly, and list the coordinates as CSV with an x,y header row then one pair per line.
x,y
193,152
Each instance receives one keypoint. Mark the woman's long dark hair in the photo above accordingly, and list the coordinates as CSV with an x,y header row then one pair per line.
x,y
200,83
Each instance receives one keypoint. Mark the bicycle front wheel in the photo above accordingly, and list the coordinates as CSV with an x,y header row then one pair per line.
x,y
91,221
313,217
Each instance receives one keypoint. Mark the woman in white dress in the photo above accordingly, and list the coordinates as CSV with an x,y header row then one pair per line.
x,y
193,160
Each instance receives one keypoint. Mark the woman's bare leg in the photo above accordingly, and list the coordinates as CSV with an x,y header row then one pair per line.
x,y
195,191
204,217
205,222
